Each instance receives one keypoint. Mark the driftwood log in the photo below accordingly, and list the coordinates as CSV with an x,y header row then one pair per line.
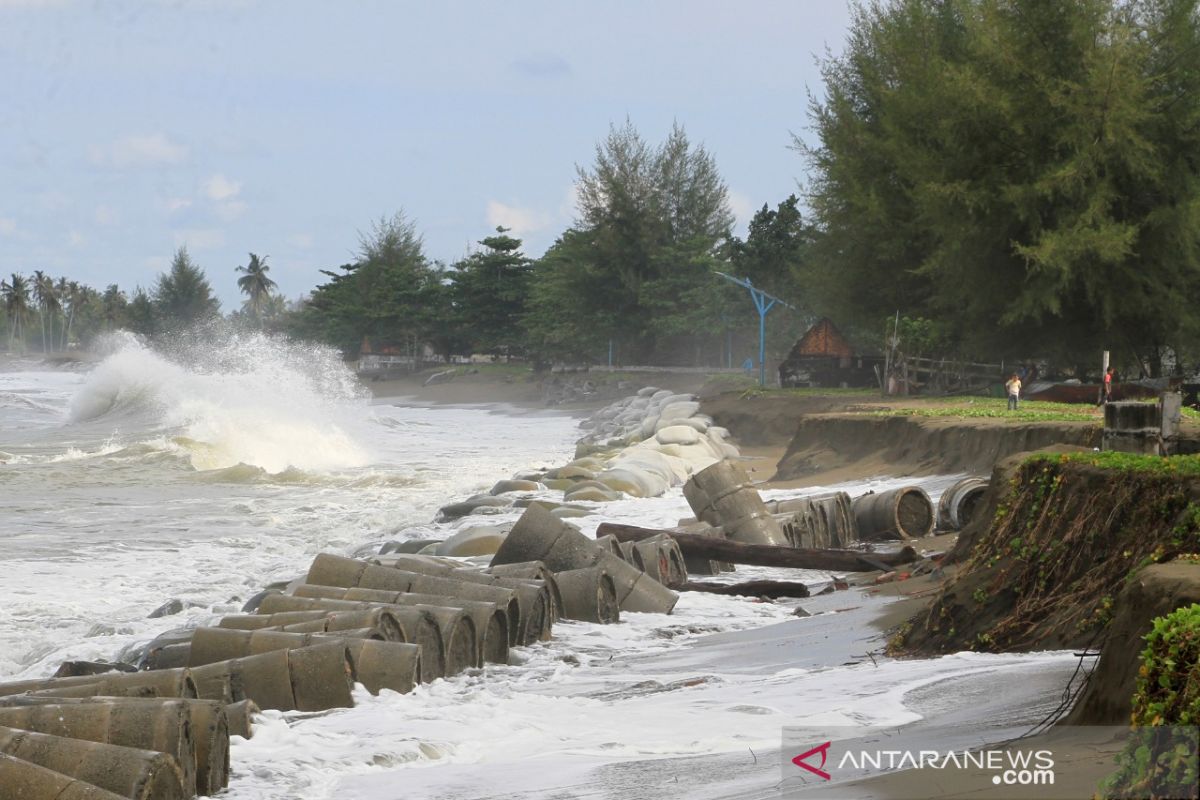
x,y
764,555
772,589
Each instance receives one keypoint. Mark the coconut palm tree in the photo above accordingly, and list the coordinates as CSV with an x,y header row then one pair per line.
x,y
255,284
16,303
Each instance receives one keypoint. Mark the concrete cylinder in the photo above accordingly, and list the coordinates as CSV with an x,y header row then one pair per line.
x,y
652,558
239,717
737,505
322,676
163,683
248,622
125,771
540,536
390,622
382,665
901,513
534,570
22,780
491,623
415,626
163,726
960,503
308,679
589,594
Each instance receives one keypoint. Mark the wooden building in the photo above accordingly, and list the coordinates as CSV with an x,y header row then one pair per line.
x,y
823,358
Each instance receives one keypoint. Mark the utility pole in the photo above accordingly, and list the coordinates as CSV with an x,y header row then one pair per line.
x,y
763,302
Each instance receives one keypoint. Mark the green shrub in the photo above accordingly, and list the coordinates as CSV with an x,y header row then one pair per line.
x,y
1158,761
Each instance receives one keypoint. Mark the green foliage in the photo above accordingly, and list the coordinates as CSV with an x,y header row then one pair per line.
x,y
996,408
257,287
182,295
1159,761
489,291
635,269
1024,171
1169,466
390,294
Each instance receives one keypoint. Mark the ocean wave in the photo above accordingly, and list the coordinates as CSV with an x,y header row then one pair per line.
x,y
240,399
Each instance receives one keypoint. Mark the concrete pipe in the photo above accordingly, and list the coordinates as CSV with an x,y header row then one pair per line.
x,y
961,503
322,676
382,665
209,734
610,544
249,622
676,566
699,503
170,656
415,626
389,621
491,623
92,690
163,726
239,717
125,771
22,780
904,513
629,553
309,679
163,683
533,570
222,644
540,536
737,505
74,669
424,565
651,557
590,595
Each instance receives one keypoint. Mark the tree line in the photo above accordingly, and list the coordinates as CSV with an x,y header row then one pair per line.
x,y
45,315
1011,179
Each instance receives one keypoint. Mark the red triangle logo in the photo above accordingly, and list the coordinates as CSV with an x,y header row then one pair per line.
x,y
823,749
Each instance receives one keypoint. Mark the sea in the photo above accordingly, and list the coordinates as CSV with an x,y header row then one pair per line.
x,y
204,471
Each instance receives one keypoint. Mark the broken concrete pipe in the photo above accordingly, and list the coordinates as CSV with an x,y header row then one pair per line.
x,y
589,594
904,513
377,664
27,781
541,536
531,603
125,771
309,679
162,726
731,499
239,717
491,623
960,503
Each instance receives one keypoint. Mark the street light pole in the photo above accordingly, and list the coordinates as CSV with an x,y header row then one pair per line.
x,y
763,302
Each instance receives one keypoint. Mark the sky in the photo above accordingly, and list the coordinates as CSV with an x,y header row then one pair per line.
x,y
286,128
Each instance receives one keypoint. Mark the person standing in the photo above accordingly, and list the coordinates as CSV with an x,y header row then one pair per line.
x,y
1106,397
1013,387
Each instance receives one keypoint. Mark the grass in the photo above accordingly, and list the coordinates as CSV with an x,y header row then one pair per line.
x,y
996,408
1181,466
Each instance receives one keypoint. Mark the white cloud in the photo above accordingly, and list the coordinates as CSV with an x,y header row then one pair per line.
x,y
151,150
8,226
741,207
301,240
522,221
218,187
173,204
106,215
200,238
76,239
